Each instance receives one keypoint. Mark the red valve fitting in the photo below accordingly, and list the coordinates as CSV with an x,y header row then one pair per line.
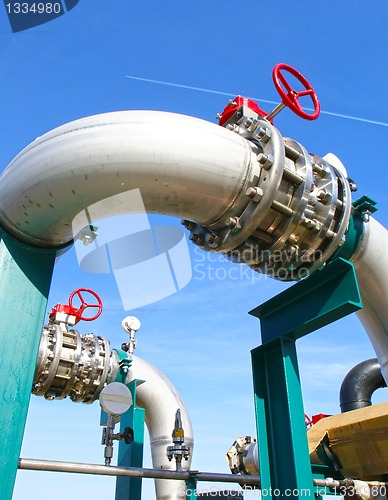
x,y
71,310
289,96
308,422
318,417
235,104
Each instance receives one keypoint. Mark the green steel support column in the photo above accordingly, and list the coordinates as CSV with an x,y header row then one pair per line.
x,y
25,277
283,450
314,302
191,489
129,488
322,298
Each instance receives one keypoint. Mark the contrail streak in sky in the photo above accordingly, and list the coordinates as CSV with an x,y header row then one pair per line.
x,y
228,94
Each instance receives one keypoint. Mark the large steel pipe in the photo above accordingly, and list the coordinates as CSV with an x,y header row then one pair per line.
x,y
258,197
183,166
160,399
371,264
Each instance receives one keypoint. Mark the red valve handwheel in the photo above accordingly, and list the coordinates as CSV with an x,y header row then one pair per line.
x,y
289,96
84,305
308,422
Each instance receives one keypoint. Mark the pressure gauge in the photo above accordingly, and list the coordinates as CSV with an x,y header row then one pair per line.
x,y
131,323
116,398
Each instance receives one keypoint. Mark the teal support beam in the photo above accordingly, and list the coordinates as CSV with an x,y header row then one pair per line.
x,y
25,277
282,442
324,297
129,488
314,302
191,489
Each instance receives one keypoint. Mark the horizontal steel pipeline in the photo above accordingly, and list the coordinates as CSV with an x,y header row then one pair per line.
x,y
96,469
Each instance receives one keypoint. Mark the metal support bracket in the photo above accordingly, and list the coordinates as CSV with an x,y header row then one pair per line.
x,y
129,488
26,273
191,489
324,297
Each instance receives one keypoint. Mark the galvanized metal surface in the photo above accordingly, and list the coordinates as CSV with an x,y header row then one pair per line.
x,y
243,457
294,214
251,193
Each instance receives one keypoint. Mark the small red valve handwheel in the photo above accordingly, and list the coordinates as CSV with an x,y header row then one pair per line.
x,y
289,96
308,422
78,313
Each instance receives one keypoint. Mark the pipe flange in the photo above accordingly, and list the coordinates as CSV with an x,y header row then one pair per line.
x,y
255,196
274,243
73,365
291,212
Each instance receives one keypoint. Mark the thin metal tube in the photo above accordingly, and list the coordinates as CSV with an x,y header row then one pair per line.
x,y
104,470
96,469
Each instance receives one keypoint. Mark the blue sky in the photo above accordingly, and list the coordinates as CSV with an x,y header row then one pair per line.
x,y
200,337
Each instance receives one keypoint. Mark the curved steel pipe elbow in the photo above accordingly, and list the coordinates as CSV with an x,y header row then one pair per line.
x,y
359,385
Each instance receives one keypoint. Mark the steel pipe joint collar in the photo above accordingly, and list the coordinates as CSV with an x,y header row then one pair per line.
x,y
74,365
292,209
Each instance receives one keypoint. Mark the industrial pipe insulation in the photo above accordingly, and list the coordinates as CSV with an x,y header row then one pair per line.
x,y
79,366
242,190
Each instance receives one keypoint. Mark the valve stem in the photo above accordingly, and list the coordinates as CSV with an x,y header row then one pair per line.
x,y
178,450
108,436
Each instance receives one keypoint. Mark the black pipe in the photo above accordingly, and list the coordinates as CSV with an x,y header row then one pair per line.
x,y
359,385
